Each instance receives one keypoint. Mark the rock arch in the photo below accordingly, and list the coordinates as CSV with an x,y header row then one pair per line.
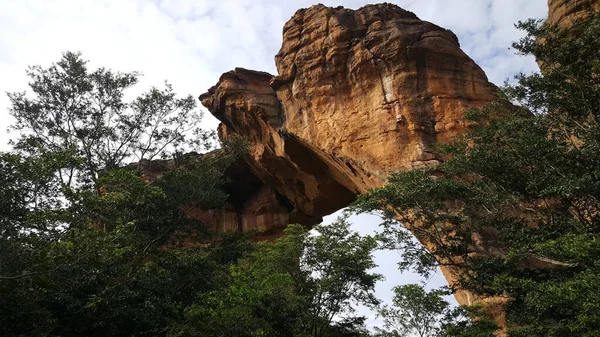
x,y
359,94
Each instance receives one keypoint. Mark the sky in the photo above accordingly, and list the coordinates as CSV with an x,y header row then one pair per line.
x,y
191,43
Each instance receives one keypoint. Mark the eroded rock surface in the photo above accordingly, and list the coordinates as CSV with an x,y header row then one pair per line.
x,y
360,94
567,12
252,204
352,81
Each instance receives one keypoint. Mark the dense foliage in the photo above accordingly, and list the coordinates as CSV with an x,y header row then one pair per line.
x,y
417,312
303,284
516,207
90,247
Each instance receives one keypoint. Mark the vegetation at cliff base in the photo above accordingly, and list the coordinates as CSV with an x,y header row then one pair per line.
x,y
91,246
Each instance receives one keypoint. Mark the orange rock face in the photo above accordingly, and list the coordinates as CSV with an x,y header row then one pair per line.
x,y
360,95
567,12
352,81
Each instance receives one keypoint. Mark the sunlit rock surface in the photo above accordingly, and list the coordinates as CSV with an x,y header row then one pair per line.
x,y
360,94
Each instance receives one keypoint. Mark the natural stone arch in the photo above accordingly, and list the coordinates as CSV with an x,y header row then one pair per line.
x,y
360,94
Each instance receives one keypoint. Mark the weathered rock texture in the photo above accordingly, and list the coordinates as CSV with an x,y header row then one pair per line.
x,y
567,12
359,95
252,204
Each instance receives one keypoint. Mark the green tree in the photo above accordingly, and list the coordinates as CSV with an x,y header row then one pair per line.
x,y
104,272
516,205
417,312
303,284
81,235
337,264
83,113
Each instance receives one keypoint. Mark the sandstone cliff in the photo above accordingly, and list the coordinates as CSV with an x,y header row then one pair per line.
x,y
567,12
359,95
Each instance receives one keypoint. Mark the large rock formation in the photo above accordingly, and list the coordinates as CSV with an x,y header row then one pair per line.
x,y
359,95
